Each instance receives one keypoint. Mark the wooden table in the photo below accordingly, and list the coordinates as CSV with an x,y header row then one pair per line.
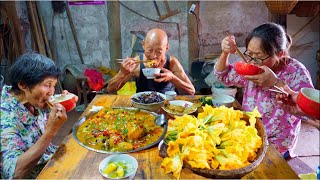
x,y
74,161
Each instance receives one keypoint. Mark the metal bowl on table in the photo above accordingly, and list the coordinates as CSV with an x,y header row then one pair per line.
x,y
100,138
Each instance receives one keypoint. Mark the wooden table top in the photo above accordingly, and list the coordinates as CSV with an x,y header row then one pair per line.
x,y
74,161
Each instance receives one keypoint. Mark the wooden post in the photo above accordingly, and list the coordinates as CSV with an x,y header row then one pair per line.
x,y
193,47
113,15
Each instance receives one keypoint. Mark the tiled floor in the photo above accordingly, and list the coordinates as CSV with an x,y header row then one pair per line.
x,y
307,149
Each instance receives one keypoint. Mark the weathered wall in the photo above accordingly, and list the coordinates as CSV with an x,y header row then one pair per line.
x,y
92,27
92,31
305,42
236,17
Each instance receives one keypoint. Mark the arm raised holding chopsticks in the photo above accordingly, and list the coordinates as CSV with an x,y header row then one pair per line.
x,y
267,48
128,69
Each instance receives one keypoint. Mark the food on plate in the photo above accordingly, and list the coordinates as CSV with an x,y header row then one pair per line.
x,y
119,130
118,169
177,109
180,107
218,138
118,166
247,69
148,98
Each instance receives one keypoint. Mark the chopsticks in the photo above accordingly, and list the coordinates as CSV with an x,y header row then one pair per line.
x,y
238,51
49,104
136,61
279,90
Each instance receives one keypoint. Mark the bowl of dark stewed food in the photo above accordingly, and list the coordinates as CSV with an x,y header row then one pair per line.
x,y
148,100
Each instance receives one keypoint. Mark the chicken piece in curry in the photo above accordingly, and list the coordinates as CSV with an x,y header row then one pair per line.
x,y
119,130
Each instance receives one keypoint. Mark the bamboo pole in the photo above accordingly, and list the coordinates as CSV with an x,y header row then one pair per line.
x,y
53,39
41,45
34,29
44,33
74,33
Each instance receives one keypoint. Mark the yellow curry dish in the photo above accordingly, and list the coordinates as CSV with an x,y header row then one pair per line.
x,y
118,130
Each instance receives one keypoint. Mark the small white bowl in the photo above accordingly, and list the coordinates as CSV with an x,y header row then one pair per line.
x,y
149,72
222,100
170,95
123,158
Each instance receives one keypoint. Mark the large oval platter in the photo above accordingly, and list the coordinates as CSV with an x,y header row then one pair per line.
x,y
101,134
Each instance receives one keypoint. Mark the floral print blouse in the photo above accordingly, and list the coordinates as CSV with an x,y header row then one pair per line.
x,y
282,128
19,131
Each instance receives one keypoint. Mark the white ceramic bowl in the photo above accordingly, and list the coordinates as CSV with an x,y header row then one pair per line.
x,y
170,95
222,100
132,165
154,107
149,72
228,91
182,103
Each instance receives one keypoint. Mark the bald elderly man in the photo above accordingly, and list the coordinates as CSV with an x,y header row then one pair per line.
x,y
171,77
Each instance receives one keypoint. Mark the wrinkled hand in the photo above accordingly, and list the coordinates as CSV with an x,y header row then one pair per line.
x,y
165,76
56,119
128,65
227,45
289,103
266,79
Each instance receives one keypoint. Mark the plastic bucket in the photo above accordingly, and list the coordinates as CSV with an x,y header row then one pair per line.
x,y
227,91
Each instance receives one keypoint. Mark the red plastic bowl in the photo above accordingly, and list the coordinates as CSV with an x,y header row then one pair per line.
x,y
309,102
247,69
68,101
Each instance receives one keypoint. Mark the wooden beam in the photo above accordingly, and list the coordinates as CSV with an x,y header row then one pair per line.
x,y
114,28
193,47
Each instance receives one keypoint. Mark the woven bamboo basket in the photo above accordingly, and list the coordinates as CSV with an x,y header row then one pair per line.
x,y
235,173
281,7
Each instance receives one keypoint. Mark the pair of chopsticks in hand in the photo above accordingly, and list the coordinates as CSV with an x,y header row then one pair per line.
x,y
237,50
279,90
50,105
136,61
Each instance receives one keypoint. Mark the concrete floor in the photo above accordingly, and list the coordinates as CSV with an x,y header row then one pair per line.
x,y
307,149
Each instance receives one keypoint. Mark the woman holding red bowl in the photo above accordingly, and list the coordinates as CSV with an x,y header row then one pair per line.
x,y
267,47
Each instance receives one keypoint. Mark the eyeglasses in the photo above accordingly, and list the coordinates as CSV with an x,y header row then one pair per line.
x,y
256,60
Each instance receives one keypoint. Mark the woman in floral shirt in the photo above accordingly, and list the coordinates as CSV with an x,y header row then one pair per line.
x,y
267,47
27,126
